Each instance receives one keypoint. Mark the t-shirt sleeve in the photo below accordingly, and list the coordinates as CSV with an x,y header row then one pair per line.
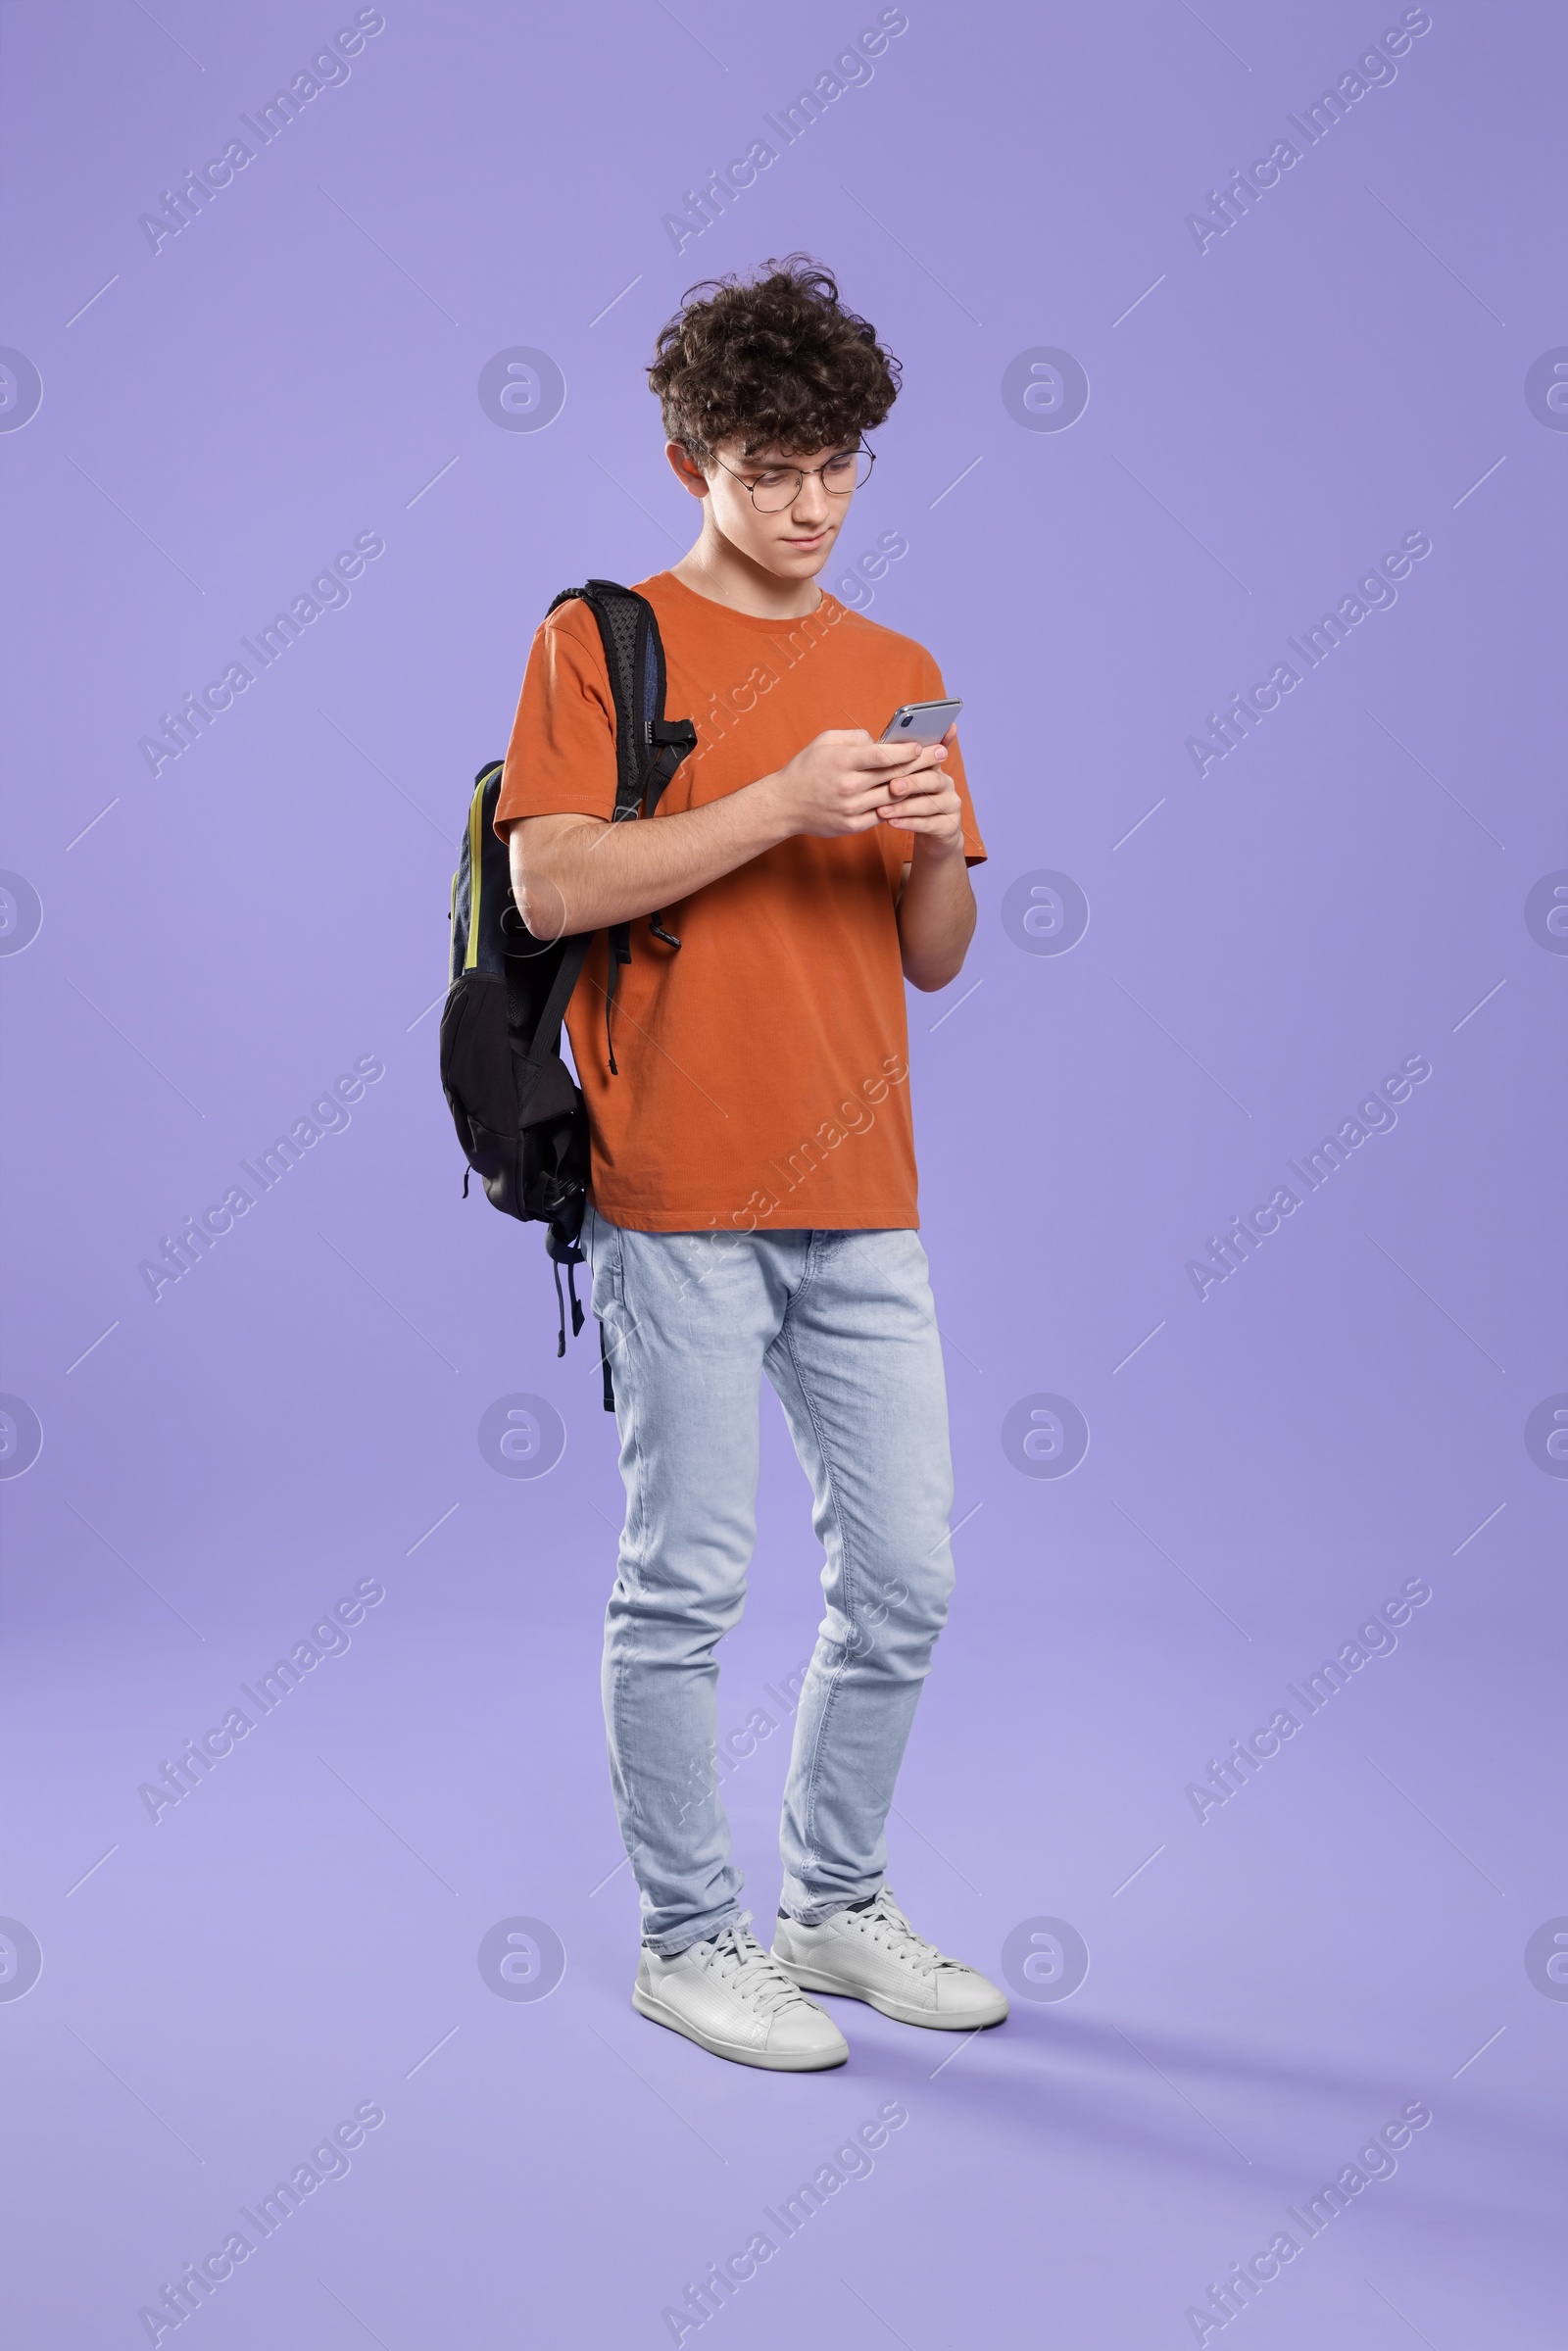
x,y
928,687
560,760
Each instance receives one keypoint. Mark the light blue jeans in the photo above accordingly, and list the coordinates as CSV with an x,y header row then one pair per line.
x,y
843,1327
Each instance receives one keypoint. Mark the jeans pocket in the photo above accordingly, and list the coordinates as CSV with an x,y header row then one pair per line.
x,y
605,1241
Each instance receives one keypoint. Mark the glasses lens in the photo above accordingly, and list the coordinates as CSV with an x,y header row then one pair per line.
x,y
848,472
772,492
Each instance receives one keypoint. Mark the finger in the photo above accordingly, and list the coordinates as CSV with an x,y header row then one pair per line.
x,y
943,828
924,804
940,823
898,754
898,793
929,763
903,780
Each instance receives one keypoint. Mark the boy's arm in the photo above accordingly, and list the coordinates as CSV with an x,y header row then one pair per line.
x,y
936,903
579,874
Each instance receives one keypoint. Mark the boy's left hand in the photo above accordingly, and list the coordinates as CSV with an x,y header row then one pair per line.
x,y
921,801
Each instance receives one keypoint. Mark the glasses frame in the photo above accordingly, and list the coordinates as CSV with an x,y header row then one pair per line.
x,y
861,449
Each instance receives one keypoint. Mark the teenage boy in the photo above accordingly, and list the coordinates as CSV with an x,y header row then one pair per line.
x,y
753,1179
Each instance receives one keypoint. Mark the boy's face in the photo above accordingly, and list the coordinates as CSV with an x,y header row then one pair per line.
x,y
792,541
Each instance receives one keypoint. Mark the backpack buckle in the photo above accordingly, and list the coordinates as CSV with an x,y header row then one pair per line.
x,y
673,734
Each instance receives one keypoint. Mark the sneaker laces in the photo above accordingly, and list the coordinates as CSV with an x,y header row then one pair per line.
x,y
754,1976
886,1924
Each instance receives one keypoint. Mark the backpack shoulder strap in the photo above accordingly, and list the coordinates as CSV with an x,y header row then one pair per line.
x,y
627,630
649,747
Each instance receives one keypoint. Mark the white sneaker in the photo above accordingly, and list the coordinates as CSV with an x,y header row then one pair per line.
x,y
733,2000
875,1955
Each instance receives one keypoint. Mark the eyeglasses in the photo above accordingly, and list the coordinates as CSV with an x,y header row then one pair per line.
x,y
780,486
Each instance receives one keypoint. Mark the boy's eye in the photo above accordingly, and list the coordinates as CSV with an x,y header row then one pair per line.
x,y
766,481
839,468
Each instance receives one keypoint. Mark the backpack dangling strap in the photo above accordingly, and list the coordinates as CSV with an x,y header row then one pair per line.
x,y
571,1284
620,952
567,972
604,1363
561,1308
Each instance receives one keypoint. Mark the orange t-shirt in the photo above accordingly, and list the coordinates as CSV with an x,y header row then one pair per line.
x,y
763,1070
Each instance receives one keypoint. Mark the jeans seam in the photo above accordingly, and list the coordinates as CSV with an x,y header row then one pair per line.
x,y
637,1546
808,1270
836,1675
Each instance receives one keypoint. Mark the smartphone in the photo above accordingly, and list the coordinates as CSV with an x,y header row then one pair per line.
x,y
920,721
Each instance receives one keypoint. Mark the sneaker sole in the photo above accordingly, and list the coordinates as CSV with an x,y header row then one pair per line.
x,y
814,1979
804,2061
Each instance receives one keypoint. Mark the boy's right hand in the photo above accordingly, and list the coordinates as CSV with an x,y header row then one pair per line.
x,y
840,780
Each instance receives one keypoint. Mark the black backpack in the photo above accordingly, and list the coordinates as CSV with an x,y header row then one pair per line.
x,y
518,1112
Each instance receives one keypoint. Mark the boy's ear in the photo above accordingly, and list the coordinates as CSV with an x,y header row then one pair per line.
x,y
686,469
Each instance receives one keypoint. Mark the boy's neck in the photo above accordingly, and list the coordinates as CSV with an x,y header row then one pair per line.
x,y
717,569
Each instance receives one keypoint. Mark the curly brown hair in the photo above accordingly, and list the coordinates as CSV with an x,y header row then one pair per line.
x,y
773,360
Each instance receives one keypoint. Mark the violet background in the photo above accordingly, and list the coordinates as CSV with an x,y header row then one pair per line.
x,y
299,1933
